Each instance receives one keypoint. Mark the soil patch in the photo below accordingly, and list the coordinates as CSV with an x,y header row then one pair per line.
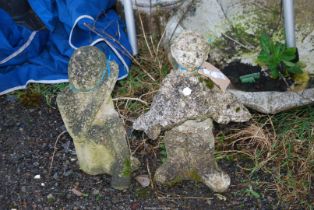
x,y
236,69
27,144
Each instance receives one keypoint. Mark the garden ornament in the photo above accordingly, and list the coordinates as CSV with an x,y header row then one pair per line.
x,y
88,113
184,108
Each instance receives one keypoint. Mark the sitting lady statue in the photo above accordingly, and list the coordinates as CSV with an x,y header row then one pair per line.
x,y
88,113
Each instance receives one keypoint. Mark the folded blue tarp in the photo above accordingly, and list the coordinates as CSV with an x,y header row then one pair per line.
x,y
42,56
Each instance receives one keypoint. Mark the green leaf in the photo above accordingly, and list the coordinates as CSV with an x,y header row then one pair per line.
x,y
296,69
277,58
266,43
278,52
289,54
274,73
291,51
288,63
263,58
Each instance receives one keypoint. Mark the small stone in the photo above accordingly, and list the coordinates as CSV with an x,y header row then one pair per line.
x,y
77,192
23,189
66,146
187,91
37,176
221,197
67,173
68,196
50,198
55,176
36,164
42,184
209,202
95,192
115,199
144,180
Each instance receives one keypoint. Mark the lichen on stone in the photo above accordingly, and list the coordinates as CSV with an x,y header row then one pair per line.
x,y
190,148
90,118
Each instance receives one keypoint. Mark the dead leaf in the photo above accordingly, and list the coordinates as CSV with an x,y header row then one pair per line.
x,y
221,197
77,192
143,180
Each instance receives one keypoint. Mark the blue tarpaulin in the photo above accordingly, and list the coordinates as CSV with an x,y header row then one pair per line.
x,y
42,56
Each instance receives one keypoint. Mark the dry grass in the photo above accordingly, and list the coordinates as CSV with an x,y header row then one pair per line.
x,y
139,88
282,147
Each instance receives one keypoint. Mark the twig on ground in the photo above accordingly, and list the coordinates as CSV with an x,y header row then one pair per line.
x,y
135,150
238,151
156,53
144,34
237,42
130,99
160,40
150,174
151,92
54,151
176,197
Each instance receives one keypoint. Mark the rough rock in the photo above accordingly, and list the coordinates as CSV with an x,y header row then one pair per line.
x,y
171,107
190,149
272,102
88,112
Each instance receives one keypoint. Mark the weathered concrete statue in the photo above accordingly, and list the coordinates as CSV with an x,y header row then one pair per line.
x,y
88,113
184,107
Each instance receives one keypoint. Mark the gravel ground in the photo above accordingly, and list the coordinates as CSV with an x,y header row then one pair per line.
x,y
27,145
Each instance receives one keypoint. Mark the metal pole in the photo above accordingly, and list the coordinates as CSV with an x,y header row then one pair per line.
x,y
289,23
130,24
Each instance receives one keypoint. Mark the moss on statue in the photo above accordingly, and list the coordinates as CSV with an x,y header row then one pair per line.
x,y
194,175
91,156
127,168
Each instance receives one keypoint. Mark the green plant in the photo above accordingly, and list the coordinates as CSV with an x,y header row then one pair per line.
x,y
163,152
251,193
278,58
31,97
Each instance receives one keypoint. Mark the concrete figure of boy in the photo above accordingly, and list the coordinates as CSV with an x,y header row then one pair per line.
x,y
88,112
184,108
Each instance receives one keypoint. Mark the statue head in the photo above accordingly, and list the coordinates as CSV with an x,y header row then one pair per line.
x,y
87,68
189,50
